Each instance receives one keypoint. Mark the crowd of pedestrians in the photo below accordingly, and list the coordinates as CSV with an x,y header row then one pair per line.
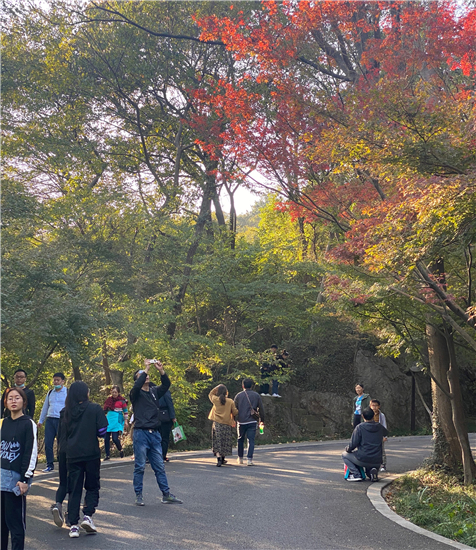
x,y
79,424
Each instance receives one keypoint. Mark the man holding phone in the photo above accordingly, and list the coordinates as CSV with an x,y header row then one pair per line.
x,y
146,438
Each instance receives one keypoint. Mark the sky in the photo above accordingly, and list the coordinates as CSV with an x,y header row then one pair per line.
x,y
244,201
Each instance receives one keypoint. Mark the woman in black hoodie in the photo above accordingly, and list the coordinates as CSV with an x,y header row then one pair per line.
x,y
19,452
84,422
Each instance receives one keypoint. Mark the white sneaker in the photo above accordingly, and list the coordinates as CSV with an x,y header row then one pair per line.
x,y
354,478
383,469
239,460
74,532
275,395
57,511
88,525
268,394
263,394
250,462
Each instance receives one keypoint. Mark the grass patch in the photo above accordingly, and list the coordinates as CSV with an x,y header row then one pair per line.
x,y
437,502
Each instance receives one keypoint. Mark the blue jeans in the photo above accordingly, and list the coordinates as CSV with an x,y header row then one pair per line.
x,y
51,430
274,388
148,444
249,431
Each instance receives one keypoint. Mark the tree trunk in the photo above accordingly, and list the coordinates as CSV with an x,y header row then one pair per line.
x,y
117,377
232,222
202,221
447,450
459,420
105,363
302,238
76,368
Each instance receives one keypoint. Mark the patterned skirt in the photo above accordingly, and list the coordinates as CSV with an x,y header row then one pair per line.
x,y
222,439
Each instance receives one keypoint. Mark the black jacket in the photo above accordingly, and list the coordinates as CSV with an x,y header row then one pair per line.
x,y
30,405
146,403
166,407
19,446
367,439
87,423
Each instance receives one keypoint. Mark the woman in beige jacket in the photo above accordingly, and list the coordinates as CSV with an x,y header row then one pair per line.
x,y
222,415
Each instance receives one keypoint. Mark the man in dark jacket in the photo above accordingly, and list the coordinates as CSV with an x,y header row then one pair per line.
x,y
367,443
167,419
19,381
245,401
146,438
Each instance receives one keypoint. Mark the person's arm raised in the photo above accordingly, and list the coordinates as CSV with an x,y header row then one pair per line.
x,y
161,390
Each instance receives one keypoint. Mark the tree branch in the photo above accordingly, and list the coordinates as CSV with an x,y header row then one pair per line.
x,y
124,19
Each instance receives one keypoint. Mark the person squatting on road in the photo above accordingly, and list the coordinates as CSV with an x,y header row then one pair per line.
x,y
19,453
147,442
84,423
245,401
19,381
366,441
223,417
361,402
50,414
115,408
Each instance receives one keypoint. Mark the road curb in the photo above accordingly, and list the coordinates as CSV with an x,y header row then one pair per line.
x,y
374,492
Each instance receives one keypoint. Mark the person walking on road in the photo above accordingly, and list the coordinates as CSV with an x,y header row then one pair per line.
x,y
167,420
62,491
361,402
115,408
366,441
247,402
84,423
19,450
50,414
146,438
223,416
19,381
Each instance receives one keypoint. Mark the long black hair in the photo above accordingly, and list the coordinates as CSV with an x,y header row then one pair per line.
x,y
77,393
221,393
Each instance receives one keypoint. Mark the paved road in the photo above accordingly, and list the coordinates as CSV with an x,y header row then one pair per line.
x,y
294,498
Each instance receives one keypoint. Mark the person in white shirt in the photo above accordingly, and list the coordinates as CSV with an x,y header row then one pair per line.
x,y
50,415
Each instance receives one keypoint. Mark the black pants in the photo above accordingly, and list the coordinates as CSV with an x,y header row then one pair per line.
x,y
62,490
13,520
115,439
357,420
264,388
87,473
164,430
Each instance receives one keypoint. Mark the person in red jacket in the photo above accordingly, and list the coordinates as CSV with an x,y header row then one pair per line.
x,y
115,408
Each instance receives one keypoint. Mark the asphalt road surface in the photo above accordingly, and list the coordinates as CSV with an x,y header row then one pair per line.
x,y
295,497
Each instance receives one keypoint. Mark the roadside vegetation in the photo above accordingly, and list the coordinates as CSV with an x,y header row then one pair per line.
x,y
437,502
